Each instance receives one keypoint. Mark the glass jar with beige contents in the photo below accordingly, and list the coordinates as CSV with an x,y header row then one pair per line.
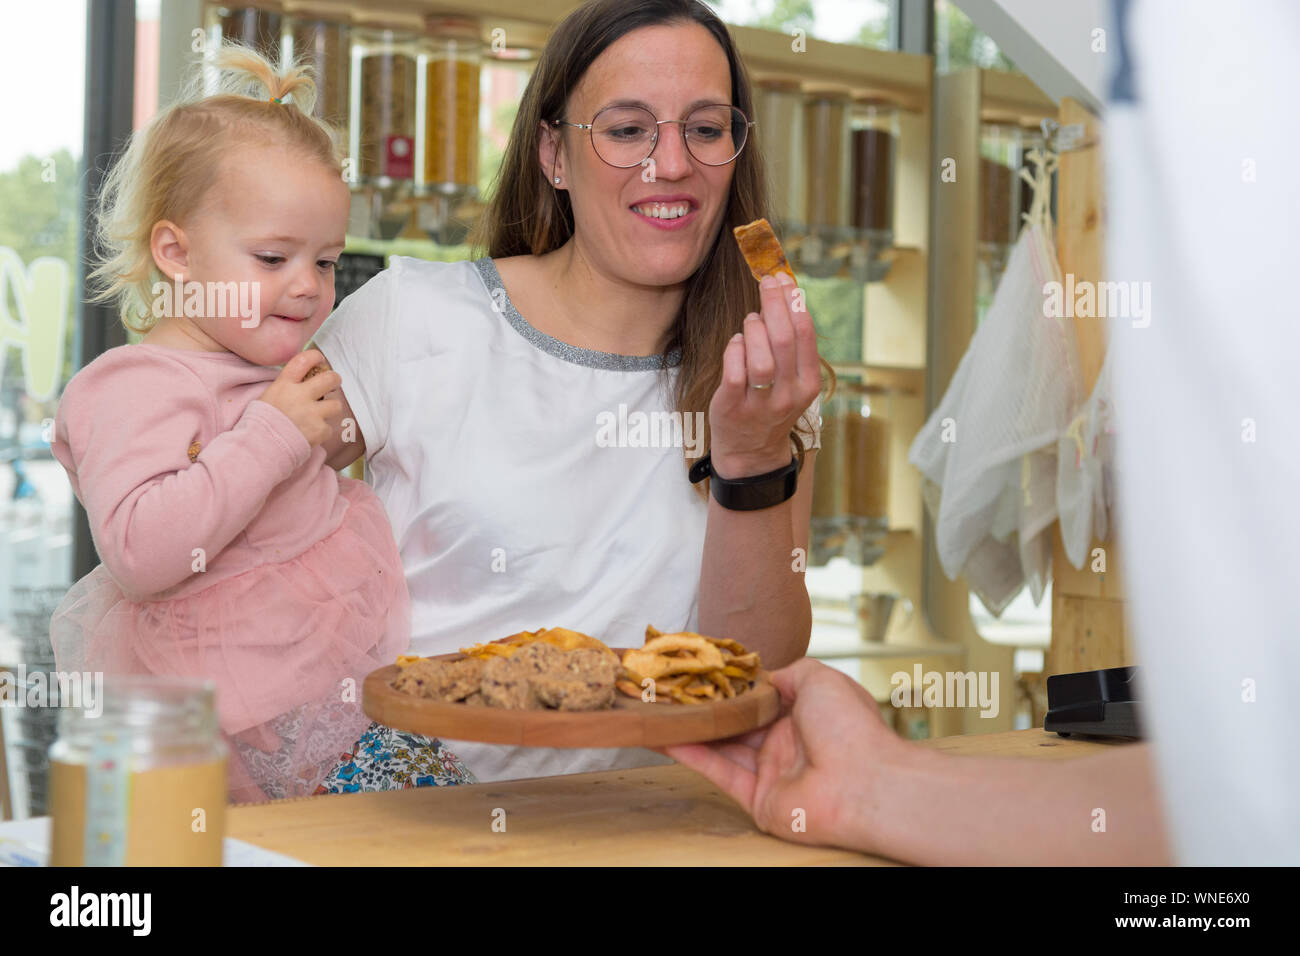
x,y
851,482
778,108
140,779
452,59
828,163
259,25
866,453
321,37
385,53
874,146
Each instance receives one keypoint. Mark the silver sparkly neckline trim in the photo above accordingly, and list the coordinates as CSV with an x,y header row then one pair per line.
x,y
591,358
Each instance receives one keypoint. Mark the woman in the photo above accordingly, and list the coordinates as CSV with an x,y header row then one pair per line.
x,y
501,404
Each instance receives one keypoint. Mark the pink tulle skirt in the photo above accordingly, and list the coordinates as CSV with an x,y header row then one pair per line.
x,y
288,646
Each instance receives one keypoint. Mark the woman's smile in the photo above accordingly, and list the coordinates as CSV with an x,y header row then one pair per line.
x,y
667,212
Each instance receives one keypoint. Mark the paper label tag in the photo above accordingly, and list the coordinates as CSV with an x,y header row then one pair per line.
x,y
399,157
108,801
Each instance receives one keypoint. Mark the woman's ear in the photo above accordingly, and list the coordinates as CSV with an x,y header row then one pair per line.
x,y
550,154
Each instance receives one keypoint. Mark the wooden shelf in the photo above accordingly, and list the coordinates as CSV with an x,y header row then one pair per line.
x,y
901,77
906,380
1013,98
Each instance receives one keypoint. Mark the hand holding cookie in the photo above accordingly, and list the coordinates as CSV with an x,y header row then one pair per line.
x,y
299,392
770,371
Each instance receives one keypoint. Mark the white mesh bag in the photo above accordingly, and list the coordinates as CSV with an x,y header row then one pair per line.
x,y
1083,481
991,444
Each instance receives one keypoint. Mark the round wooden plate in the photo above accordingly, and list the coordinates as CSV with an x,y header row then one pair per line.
x,y
629,723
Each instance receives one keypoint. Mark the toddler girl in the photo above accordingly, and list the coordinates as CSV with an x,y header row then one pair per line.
x,y
231,550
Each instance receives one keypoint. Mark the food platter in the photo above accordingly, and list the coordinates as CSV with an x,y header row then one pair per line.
x,y
629,722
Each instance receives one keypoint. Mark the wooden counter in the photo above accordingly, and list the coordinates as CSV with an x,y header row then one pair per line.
x,y
656,816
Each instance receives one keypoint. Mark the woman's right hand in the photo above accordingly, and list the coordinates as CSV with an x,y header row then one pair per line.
x,y
304,401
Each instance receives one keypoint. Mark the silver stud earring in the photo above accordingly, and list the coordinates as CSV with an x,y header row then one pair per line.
x,y
557,180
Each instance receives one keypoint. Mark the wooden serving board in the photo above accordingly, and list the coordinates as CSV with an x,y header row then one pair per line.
x,y
629,723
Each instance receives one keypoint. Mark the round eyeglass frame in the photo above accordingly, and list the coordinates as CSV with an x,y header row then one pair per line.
x,y
654,143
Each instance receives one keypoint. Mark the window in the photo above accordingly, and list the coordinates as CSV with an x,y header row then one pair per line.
x,y
958,43
866,22
40,288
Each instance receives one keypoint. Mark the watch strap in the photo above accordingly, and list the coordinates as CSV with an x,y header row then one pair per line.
x,y
752,493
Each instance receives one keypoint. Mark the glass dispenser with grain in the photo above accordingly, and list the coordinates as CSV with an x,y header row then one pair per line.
x,y
452,59
138,776
874,139
320,35
850,507
258,25
779,114
826,139
385,54
451,69
1001,197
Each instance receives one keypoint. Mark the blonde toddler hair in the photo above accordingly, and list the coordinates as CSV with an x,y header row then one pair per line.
x,y
170,164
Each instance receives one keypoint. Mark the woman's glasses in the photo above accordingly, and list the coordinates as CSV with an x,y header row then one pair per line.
x,y
625,136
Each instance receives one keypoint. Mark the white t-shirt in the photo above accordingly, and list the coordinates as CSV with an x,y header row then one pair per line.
x,y
1202,196
524,481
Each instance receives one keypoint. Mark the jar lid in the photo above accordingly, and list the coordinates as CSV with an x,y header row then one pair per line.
x,y
782,84
387,20
147,710
460,28
827,91
319,10
874,98
515,40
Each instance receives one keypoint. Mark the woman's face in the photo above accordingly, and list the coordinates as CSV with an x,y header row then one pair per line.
x,y
670,69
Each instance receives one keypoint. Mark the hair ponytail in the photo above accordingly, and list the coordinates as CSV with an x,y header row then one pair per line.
x,y
242,71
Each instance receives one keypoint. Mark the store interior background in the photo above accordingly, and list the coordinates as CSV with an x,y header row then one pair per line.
x,y
43,51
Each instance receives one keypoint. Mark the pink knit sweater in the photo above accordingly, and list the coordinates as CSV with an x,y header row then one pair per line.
x,y
124,430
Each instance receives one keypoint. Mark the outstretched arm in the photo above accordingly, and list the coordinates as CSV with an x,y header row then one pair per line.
x,y
938,808
862,787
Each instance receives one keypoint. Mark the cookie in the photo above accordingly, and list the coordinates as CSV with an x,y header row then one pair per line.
x,y
761,249
506,683
440,680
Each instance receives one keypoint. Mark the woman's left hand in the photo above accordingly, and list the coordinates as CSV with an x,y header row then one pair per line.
x,y
770,375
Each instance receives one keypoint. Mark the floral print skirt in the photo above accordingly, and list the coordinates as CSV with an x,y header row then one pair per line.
x,y
388,759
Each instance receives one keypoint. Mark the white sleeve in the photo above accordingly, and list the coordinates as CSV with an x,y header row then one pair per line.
x,y
809,426
1201,195
360,342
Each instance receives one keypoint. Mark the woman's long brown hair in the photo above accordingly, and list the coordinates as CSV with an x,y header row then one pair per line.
x,y
528,217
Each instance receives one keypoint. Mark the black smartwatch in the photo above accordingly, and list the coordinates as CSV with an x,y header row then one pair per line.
x,y
748,494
